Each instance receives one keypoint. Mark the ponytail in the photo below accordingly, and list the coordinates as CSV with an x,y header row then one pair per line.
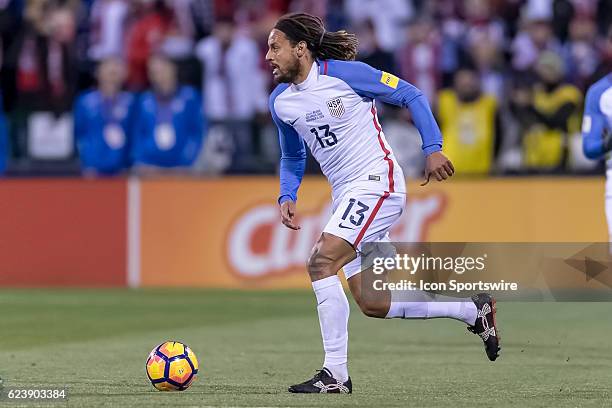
x,y
323,44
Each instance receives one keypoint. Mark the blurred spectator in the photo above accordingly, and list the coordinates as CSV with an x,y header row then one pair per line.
x,y
10,18
605,64
388,16
480,23
178,41
509,12
446,13
40,63
203,14
169,125
144,38
316,7
103,119
469,123
406,142
234,89
536,35
217,46
562,14
580,54
604,15
336,18
485,55
108,20
41,82
548,113
420,58
370,52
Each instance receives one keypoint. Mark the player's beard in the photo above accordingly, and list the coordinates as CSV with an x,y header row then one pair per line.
x,y
290,73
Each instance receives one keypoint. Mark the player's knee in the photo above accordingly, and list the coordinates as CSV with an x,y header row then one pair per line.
x,y
319,266
372,307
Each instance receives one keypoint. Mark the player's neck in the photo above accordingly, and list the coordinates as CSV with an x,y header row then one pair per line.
x,y
304,71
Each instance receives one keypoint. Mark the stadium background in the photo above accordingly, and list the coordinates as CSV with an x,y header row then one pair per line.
x,y
505,79
100,263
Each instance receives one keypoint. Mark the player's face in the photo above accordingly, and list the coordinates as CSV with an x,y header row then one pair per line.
x,y
282,57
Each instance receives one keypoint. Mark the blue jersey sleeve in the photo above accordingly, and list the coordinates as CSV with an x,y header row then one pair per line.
x,y
293,154
375,84
593,124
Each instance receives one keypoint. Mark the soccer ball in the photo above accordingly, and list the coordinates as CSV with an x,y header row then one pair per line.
x,y
172,366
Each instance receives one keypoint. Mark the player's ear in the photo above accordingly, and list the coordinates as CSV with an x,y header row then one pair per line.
x,y
300,48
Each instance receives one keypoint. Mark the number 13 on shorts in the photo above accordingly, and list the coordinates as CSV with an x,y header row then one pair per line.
x,y
365,216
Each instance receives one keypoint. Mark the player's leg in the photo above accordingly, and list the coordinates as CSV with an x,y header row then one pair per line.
x,y
410,305
354,212
328,256
478,312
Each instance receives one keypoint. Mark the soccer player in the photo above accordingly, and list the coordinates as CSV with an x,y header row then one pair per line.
x,y
596,131
326,100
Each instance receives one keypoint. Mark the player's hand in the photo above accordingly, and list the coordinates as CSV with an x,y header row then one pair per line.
x,y
438,166
287,210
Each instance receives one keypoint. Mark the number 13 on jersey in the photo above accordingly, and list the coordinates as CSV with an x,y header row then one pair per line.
x,y
328,138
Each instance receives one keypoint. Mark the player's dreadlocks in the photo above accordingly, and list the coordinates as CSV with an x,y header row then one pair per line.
x,y
323,44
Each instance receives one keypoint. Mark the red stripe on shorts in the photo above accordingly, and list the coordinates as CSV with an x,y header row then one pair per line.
x,y
370,218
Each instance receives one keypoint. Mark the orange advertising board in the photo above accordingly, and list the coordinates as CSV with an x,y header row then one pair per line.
x,y
226,232
63,232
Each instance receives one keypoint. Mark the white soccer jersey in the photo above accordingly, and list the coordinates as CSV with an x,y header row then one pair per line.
x,y
334,113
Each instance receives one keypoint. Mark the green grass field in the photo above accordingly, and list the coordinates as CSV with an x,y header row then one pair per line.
x,y
251,345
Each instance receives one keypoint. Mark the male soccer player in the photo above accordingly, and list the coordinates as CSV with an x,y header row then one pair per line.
x,y
326,99
596,130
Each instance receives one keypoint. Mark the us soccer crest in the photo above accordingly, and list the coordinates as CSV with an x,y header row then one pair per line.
x,y
336,108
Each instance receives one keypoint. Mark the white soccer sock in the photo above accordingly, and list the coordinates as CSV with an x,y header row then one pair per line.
x,y
428,308
333,309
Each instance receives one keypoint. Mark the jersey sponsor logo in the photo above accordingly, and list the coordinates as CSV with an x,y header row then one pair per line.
x,y
293,122
389,79
336,108
258,245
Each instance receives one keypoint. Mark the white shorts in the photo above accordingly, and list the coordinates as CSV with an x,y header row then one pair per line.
x,y
364,216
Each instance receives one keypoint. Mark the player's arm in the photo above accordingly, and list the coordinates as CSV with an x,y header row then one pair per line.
x,y
596,140
376,84
292,165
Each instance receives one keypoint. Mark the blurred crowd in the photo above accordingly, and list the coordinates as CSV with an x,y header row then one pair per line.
x,y
109,86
